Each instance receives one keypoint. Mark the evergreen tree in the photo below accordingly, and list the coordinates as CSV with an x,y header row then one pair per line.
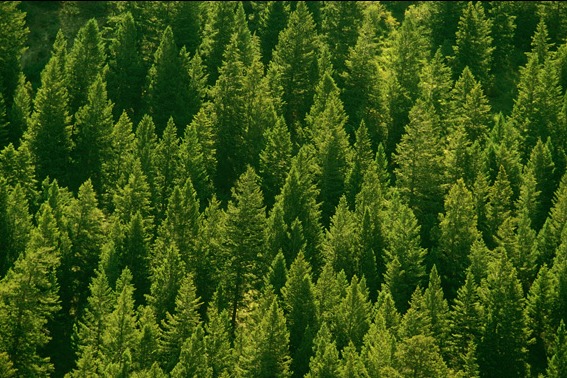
x,y
91,135
20,112
539,308
217,341
193,361
438,310
297,203
181,325
125,68
339,27
16,225
28,299
378,348
195,160
275,161
217,30
458,233
352,365
89,330
499,206
465,323
542,166
120,333
341,246
167,165
146,349
556,362
403,254
49,133
325,360
273,19
301,314
418,356
353,316
293,71
502,349
167,269
473,46
84,62
246,220
265,344
168,85
418,176
13,41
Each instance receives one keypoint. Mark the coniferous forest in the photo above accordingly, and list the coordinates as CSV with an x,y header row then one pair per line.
x,y
283,189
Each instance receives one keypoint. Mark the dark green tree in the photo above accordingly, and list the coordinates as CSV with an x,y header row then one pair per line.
x,y
180,325
126,71
167,166
293,70
84,62
49,132
168,85
457,234
419,173
556,361
301,314
20,112
91,136
502,349
246,221
473,47
28,299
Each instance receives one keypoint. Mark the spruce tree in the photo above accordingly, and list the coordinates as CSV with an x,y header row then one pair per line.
x,y
125,68
473,46
84,62
49,134
502,348
28,299
301,314
91,135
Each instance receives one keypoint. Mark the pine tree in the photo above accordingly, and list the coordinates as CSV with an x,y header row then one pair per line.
x,y
20,112
301,314
120,333
265,344
293,70
502,349
88,331
325,360
275,161
168,85
341,246
146,349
297,203
543,168
195,160
17,168
418,356
121,155
352,365
217,29
273,20
353,315
405,55
28,299
193,361
49,133
125,68
539,309
13,41
16,225
457,234
178,327
418,175
473,46
92,133
556,362
167,165
167,269
217,341
84,62
378,348
245,230
499,206
339,27
438,309
404,256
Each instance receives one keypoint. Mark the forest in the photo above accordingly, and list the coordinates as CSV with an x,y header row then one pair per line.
x,y
283,189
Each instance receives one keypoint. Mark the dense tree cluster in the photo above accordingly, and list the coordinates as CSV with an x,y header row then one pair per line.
x,y
283,189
